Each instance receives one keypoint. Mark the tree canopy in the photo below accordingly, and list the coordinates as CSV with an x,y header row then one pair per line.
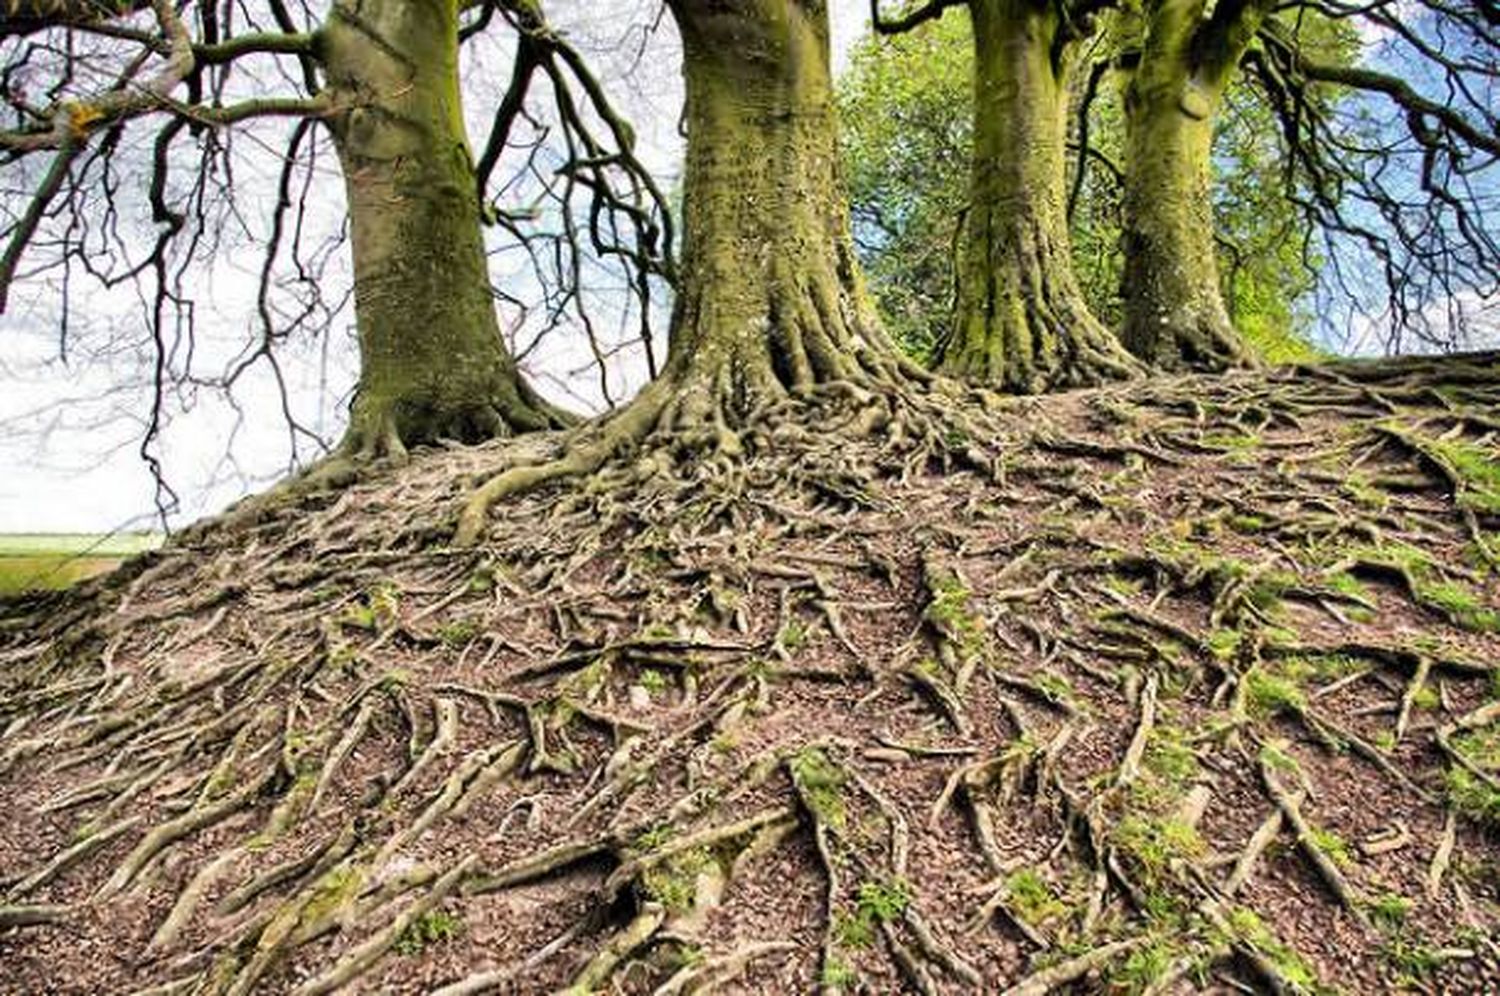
x,y
144,139
1177,63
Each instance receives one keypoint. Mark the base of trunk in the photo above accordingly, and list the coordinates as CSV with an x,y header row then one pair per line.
x,y
1202,343
1022,325
726,416
1032,342
388,428
701,415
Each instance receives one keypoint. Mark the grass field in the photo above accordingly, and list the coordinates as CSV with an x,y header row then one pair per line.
x,y
49,561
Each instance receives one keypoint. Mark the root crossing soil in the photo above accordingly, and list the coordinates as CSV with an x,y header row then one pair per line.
x,y
1176,686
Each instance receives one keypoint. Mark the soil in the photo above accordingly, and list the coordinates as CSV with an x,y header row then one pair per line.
x,y
1184,685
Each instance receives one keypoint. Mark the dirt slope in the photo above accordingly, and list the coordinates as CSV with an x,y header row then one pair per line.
x,y
1177,687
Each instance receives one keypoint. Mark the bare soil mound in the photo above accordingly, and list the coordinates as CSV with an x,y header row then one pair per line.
x,y
1178,686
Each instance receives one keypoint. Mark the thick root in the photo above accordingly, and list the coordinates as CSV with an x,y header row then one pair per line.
x,y
961,704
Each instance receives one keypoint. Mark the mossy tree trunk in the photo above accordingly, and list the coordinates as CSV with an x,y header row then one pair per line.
x,y
433,363
1174,308
1022,324
773,336
771,303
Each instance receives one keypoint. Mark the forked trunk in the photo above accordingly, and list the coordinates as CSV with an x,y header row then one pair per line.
x,y
433,364
1174,309
771,303
1022,323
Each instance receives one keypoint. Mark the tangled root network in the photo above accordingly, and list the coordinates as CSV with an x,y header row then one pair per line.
x,y
1175,686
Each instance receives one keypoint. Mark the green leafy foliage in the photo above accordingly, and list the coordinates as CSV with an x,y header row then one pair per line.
x,y
1413,962
1032,898
376,611
459,633
1157,841
1332,845
1170,757
1461,604
1431,587
838,974
876,902
1468,792
674,881
1389,910
1144,967
1250,929
1476,467
820,783
1268,694
905,109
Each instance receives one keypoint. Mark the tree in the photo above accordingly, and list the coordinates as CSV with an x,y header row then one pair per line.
x,y
382,77
1395,156
908,116
771,308
1021,322
1267,250
1174,312
774,700
433,363
1406,194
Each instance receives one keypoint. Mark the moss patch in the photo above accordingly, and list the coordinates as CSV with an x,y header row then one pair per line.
x,y
433,927
820,784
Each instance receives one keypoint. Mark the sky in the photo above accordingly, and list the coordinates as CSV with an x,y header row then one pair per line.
x,y
71,421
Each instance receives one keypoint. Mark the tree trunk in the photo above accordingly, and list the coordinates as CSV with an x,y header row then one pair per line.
x,y
1022,322
771,308
1174,308
433,364
771,303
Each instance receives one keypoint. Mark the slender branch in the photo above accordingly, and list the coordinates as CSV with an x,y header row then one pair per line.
x,y
929,11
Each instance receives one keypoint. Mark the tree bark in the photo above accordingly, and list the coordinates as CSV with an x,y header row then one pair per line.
x,y
433,364
771,303
1022,323
772,327
1174,308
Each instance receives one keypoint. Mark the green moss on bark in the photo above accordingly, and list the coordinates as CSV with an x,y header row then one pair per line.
x,y
772,303
1175,316
433,364
1022,323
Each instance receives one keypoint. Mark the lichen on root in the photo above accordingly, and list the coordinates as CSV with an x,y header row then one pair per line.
x,y
1148,698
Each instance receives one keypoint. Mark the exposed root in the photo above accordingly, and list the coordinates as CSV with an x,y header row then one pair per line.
x,y
1044,981
838,691
360,958
1328,870
31,915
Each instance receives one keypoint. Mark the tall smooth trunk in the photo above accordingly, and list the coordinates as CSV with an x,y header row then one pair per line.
x,y
770,309
433,364
771,302
1022,322
1175,315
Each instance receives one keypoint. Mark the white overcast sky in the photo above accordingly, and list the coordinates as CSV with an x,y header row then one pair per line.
x,y
70,429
